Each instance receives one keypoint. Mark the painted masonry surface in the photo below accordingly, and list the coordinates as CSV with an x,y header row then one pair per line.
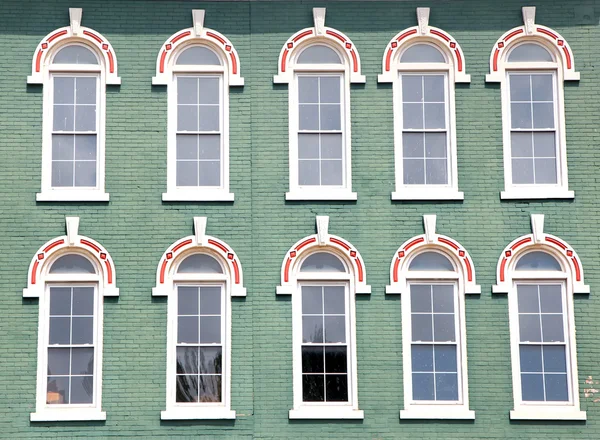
x,y
137,227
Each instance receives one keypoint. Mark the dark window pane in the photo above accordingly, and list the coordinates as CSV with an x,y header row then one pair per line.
x,y
422,358
336,388
312,329
210,300
446,386
82,389
210,388
58,361
445,358
58,390
422,386
528,298
312,360
83,330
532,387
60,301
187,360
60,331
312,300
313,388
83,301
420,298
551,298
335,299
555,359
210,330
82,360
335,329
422,329
443,328
335,360
210,360
556,388
552,328
443,298
187,300
187,389
531,358
187,329
529,328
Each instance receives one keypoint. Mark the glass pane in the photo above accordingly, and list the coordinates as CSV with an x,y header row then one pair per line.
x,y
82,389
58,390
312,329
187,147
529,52
209,89
336,360
542,87
336,387
329,89
63,147
445,359
58,361
330,117
552,328
210,329
60,331
83,330
187,329
335,329
538,261
82,360
85,118
187,173
72,263
420,298
545,171
532,387
322,262
187,118
544,144
431,261
210,388
210,300
422,386
313,388
531,358
64,117
422,53
555,359
187,360
435,116
187,90
522,171
85,173
85,90
443,328
551,298
422,328
436,171
335,299
200,263
331,146
209,173
187,388
414,171
60,301
312,300
412,88
422,358
521,144
309,172
543,115
64,90
308,89
521,115
308,146
187,300
309,116
556,388
433,85
211,360
443,298
435,145
412,116
62,174
319,54
413,144
75,54
528,298
312,360
331,172
210,146
520,87
446,386
85,147
529,328
199,55
83,301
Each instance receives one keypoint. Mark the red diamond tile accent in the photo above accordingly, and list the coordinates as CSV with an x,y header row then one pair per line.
x,y
292,254
230,256
44,45
348,46
228,48
508,253
453,45
290,45
570,253
168,47
501,45
394,44
169,255
353,254
400,254
103,255
40,256
561,42
105,46
461,253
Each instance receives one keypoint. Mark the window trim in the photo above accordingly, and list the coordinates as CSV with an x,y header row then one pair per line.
x,y
167,281
167,72
454,68
39,281
572,278
564,66
463,278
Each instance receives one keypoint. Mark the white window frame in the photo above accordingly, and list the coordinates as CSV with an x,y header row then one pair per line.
x,y
167,280
38,286
42,71
572,279
200,193
166,73
563,68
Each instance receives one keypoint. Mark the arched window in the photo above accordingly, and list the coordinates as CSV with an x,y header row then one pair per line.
x,y
198,65
531,62
74,64
433,273
323,273
199,274
541,273
423,63
319,64
70,275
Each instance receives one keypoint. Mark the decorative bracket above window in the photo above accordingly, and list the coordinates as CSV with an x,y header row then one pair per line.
x,y
200,35
70,34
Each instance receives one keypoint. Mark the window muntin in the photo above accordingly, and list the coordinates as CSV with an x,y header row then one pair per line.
x,y
198,55
543,354
422,53
200,344
75,129
71,345
320,130
434,352
75,54
319,54
529,52
72,264
431,261
322,262
538,260
199,136
533,128
325,343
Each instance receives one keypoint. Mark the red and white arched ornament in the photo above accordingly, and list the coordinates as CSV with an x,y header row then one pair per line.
x,y
71,243
322,241
538,240
425,33
433,241
200,35
304,37
73,34
199,243
531,31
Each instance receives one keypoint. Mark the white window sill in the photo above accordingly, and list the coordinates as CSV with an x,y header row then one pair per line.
x,y
536,193
321,193
198,195
438,412
67,415
326,412
198,413
72,196
547,413
424,193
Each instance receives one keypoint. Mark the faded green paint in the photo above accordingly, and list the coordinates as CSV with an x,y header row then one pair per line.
x,y
136,226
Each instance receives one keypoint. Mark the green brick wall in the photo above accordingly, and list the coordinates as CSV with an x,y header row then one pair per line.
x,y
136,227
